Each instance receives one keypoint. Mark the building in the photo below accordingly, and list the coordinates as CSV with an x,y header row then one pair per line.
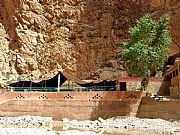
x,y
174,76
134,84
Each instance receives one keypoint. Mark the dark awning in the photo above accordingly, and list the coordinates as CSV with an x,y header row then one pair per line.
x,y
100,83
53,82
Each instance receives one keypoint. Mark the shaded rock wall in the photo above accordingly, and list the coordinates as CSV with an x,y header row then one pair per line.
x,y
37,37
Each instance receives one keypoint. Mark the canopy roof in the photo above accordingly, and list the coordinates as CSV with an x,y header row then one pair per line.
x,y
100,83
53,82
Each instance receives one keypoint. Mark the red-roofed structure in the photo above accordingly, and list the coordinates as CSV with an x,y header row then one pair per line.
x,y
134,83
136,79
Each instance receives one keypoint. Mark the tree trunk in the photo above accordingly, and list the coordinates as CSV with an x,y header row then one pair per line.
x,y
145,83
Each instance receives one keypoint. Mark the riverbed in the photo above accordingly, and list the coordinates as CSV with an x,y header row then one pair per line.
x,y
122,125
36,125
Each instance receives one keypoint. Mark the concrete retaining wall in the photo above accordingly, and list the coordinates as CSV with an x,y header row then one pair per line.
x,y
87,105
150,108
73,105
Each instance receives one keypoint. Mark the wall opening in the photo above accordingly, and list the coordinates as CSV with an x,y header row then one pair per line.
x,y
123,86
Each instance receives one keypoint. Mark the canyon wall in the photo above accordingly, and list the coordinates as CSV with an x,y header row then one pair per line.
x,y
38,37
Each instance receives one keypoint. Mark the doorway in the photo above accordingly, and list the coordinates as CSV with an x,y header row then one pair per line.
x,y
122,86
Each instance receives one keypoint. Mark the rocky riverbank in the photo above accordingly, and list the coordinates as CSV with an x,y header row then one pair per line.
x,y
126,124
33,125
27,122
25,131
35,131
28,125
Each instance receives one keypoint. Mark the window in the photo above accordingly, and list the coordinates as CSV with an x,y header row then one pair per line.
x,y
122,86
170,76
176,72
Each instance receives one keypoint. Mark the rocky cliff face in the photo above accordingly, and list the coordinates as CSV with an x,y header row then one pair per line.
x,y
38,37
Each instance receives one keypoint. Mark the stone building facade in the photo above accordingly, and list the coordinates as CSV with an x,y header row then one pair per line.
x,y
134,84
173,76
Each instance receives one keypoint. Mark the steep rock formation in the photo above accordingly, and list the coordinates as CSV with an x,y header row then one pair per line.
x,y
171,7
37,37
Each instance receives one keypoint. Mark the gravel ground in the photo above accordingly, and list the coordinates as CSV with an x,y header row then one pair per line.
x,y
26,122
25,131
156,126
35,125
75,132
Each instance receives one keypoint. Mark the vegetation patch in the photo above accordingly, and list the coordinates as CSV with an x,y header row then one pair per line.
x,y
146,50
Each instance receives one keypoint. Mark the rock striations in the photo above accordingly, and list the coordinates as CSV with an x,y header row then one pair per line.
x,y
38,37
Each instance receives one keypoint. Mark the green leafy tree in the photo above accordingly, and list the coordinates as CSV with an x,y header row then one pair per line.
x,y
147,48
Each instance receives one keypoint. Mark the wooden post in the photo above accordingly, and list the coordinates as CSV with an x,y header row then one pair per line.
x,y
59,81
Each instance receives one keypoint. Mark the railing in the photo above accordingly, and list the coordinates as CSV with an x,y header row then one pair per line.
x,y
101,88
55,89
38,89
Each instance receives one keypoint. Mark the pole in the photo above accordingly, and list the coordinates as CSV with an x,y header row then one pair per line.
x,y
59,81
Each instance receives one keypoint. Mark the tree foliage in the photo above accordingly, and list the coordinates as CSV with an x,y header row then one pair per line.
x,y
147,48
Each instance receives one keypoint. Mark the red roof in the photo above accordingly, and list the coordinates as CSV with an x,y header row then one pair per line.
x,y
97,81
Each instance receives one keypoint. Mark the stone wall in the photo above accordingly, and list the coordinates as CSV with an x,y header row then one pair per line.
x,y
73,105
152,86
